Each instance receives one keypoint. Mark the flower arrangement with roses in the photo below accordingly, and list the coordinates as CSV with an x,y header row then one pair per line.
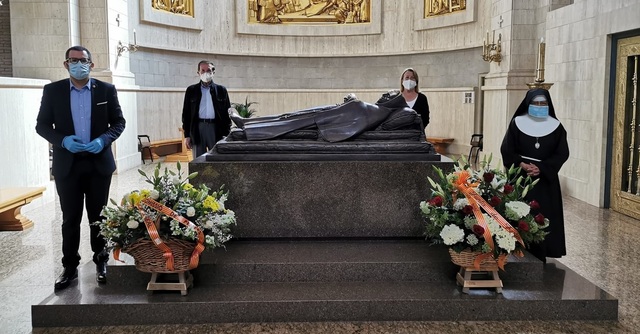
x,y
124,224
483,210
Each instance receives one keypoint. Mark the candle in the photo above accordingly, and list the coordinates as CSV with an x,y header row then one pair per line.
x,y
487,35
540,62
134,37
493,40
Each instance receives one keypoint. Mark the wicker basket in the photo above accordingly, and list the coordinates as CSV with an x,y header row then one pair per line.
x,y
149,258
466,257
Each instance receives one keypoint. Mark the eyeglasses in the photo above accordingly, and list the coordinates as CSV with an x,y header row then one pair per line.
x,y
83,61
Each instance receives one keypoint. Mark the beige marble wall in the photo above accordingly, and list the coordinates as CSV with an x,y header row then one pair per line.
x,y
578,54
401,32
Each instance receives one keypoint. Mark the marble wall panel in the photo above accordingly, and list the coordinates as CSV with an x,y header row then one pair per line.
x,y
24,153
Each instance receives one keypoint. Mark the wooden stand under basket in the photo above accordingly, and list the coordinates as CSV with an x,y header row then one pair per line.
x,y
470,277
148,258
185,281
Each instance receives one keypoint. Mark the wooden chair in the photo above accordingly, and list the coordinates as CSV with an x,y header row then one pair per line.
x,y
476,147
144,145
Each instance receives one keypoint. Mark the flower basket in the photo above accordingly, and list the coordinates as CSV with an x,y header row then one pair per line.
x,y
466,259
150,258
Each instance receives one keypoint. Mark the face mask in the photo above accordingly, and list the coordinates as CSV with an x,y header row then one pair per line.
x,y
79,71
538,111
206,77
409,84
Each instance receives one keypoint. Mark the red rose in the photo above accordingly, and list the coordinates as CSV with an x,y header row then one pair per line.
x,y
477,229
534,205
495,201
467,210
508,189
488,177
539,218
522,225
436,201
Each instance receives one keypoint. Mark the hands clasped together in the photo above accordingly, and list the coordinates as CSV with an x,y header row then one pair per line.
x,y
74,145
530,169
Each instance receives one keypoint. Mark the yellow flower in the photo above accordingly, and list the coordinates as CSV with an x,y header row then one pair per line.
x,y
211,203
145,193
187,186
135,198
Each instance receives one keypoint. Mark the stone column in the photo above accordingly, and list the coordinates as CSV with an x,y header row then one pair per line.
x,y
505,84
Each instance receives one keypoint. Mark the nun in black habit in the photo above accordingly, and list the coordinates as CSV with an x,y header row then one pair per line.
x,y
536,141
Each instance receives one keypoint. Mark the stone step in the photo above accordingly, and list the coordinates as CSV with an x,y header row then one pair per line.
x,y
560,295
345,260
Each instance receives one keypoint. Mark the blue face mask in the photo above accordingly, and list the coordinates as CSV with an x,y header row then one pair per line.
x,y
538,111
79,71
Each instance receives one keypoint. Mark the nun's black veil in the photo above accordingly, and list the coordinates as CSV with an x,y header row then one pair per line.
x,y
524,105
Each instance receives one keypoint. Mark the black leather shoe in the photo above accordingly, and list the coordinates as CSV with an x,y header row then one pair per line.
x,y
63,281
101,272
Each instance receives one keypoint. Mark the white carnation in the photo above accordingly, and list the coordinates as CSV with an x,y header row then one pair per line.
x,y
451,234
506,241
460,204
132,224
516,210
191,211
424,207
154,194
472,240
208,224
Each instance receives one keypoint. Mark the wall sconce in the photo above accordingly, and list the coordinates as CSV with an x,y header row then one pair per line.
x,y
492,52
121,48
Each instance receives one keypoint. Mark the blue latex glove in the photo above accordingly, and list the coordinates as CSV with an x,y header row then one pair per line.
x,y
73,144
95,146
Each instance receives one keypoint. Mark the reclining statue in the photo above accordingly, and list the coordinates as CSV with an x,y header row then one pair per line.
x,y
334,123
351,130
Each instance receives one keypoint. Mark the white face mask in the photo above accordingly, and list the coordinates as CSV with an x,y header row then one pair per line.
x,y
206,77
409,84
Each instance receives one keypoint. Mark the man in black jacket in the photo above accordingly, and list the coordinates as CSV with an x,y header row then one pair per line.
x,y
205,117
81,117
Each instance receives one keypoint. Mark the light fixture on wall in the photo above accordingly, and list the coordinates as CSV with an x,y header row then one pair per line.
x,y
121,48
492,52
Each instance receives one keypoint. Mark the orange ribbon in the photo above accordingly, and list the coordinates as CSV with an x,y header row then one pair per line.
x,y
155,236
476,201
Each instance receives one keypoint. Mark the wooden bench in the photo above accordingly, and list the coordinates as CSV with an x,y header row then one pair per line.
x,y
440,144
11,202
163,147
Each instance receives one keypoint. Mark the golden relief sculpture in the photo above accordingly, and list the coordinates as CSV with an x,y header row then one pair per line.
x,y
184,7
441,7
310,11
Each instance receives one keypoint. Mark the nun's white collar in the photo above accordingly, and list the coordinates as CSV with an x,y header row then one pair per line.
x,y
536,127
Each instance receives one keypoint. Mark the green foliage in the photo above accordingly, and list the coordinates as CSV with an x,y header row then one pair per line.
x,y
244,109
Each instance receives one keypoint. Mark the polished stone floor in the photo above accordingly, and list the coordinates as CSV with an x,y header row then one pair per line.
x,y
600,245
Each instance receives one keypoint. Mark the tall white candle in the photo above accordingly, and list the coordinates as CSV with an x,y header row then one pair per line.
x,y
135,42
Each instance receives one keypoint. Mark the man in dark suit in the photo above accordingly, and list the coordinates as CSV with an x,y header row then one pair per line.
x,y
205,116
81,117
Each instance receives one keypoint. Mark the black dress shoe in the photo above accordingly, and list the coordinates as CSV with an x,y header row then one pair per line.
x,y
63,281
101,272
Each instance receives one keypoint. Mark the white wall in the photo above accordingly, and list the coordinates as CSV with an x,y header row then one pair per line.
x,y
24,154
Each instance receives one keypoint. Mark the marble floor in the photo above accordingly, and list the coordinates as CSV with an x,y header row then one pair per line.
x,y
600,246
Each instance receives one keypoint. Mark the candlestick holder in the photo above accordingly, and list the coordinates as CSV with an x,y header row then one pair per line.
x,y
121,48
492,52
